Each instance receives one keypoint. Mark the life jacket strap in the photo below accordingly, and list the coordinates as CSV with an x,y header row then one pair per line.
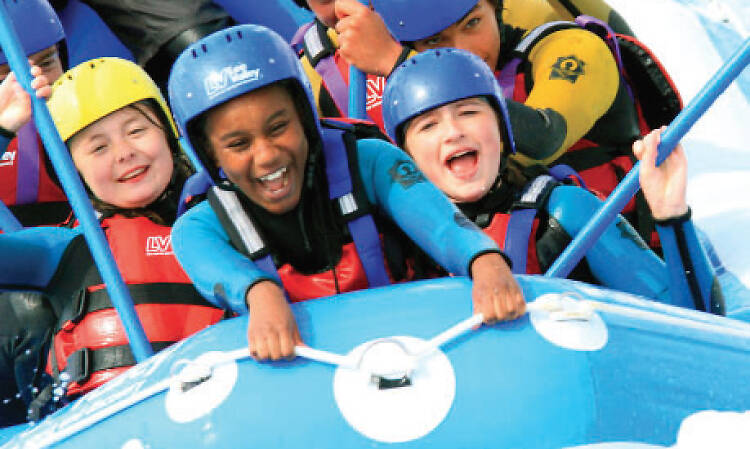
x,y
82,363
27,184
360,223
86,301
320,51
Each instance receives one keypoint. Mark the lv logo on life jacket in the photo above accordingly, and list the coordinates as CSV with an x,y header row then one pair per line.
x,y
8,158
159,245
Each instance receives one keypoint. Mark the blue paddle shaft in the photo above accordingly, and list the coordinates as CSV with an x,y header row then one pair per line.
x,y
357,93
8,221
586,238
358,90
71,183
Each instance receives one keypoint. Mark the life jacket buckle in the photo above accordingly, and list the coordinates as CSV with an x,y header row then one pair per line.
x,y
78,365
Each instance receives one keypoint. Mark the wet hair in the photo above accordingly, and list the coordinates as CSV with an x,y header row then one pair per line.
x,y
163,210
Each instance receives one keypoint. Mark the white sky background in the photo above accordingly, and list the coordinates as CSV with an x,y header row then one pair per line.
x,y
718,146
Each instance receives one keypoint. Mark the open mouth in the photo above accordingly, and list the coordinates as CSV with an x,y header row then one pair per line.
x,y
275,181
463,164
133,175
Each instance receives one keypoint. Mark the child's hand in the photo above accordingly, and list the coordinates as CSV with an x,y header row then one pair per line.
x,y
271,331
495,294
364,40
15,103
665,186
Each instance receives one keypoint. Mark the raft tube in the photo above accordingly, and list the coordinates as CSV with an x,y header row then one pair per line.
x,y
604,366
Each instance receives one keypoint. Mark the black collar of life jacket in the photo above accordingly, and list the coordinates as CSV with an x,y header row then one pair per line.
x,y
310,234
499,199
510,37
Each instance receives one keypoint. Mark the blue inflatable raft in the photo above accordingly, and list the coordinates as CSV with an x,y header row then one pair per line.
x,y
585,365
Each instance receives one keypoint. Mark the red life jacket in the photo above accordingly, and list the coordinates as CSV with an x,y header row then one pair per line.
x,y
90,343
655,97
25,185
334,71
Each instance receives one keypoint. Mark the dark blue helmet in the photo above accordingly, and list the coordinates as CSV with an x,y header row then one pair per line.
x,y
412,20
437,77
36,24
230,63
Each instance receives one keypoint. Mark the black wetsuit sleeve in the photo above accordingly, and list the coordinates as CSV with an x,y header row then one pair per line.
x,y
145,25
538,132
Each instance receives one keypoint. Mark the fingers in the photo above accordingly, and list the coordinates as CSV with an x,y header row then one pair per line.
x,y
344,8
500,303
273,346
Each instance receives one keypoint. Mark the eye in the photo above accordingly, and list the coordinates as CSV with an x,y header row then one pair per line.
x,y
238,144
468,111
137,130
473,22
432,41
97,149
278,128
427,125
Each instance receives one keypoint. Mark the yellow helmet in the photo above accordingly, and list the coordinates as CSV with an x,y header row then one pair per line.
x,y
98,87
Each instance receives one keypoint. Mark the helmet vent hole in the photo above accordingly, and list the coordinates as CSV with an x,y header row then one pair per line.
x,y
195,54
239,34
203,47
70,77
229,37
92,65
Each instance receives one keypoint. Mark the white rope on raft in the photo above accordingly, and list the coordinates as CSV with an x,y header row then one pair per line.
x,y
562,308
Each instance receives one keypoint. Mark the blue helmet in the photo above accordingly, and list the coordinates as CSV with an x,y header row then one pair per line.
x,y
412,20
437,77
36,24
230,63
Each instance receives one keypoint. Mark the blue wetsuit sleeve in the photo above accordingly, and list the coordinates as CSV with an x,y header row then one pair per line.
x,y
30,257
693,282
620,259
396,186
221,274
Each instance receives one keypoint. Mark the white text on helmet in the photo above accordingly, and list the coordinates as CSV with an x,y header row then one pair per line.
x,y
229,77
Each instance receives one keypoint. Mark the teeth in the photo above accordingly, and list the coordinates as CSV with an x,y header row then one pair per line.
x,y
457,155
133,174
273,176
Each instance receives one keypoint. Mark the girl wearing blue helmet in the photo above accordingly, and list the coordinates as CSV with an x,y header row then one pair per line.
x,y
571,103
445,108
27,184
301,205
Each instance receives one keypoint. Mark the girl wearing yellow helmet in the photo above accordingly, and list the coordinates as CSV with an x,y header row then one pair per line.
x,y
124,144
